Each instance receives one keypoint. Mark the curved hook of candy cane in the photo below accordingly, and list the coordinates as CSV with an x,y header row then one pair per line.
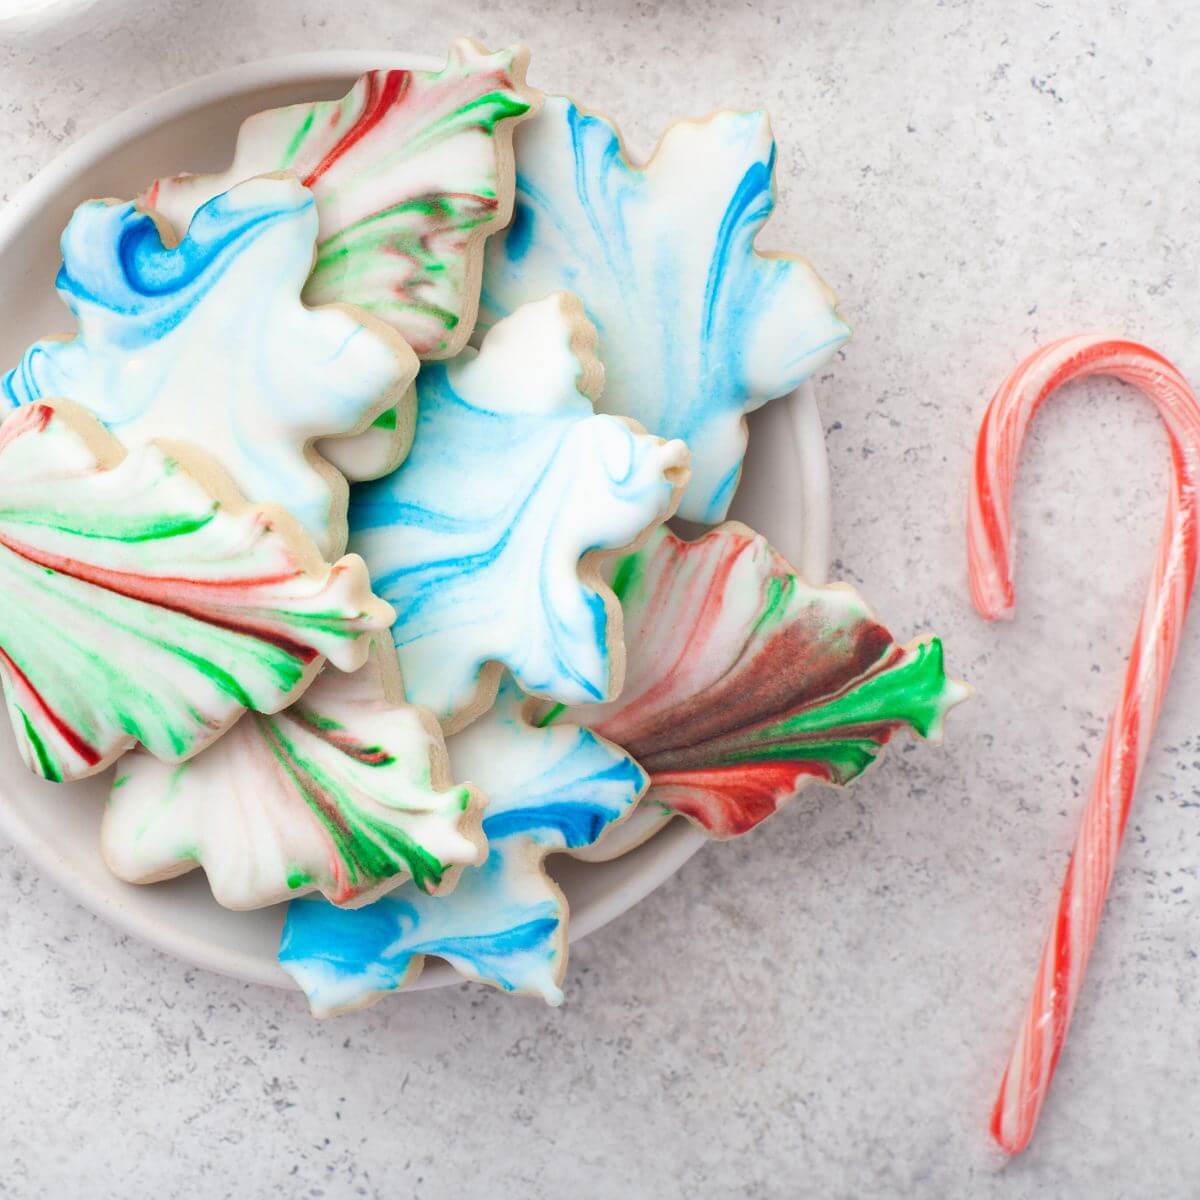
x,y
990,546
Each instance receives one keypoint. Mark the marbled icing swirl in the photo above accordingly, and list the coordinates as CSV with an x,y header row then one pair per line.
x,y
696,327
512,480
208,342
743,684
140,606
409,171
505,923
347,792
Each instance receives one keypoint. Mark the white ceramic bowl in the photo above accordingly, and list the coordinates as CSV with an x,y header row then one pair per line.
x,y
784,494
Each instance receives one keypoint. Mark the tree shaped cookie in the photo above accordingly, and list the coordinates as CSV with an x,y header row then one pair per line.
x,y
697,328
743,684
145,602
486,540
410,171
547,790
208,342
347,792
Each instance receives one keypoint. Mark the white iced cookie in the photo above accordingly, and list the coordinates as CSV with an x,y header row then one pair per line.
x,y
697,327
347,793
208,342
487,541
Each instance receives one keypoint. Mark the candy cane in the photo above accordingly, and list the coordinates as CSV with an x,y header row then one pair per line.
x,y
989,547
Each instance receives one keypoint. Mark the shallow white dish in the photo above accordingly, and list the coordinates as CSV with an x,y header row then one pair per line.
x,y
785,494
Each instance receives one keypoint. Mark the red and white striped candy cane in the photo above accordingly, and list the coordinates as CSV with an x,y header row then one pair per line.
x,y
989,548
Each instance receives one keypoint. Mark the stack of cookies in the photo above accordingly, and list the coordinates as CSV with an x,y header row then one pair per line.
x,y
338,524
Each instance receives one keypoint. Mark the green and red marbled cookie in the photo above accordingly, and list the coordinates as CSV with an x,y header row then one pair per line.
x,y
348,792
144,601
743,683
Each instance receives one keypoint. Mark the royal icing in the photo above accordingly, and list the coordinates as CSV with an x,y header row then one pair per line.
x,y
143,605
548,790
208,342
347,792
513,479
743,684
410,171
696,327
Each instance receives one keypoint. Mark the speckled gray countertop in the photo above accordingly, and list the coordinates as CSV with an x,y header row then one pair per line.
x,y
821,1009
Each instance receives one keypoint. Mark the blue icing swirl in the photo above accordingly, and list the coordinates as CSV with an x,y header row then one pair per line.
x,y
476,538
114,260
696,328
342,957
123,285
548,789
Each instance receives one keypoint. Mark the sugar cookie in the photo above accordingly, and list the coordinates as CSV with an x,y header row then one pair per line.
x,y
697,328
145,602
347,792
486,540
547,790
743,684
209,342
411,170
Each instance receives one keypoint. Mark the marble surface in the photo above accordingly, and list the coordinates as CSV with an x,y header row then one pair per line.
x,y
822,1009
